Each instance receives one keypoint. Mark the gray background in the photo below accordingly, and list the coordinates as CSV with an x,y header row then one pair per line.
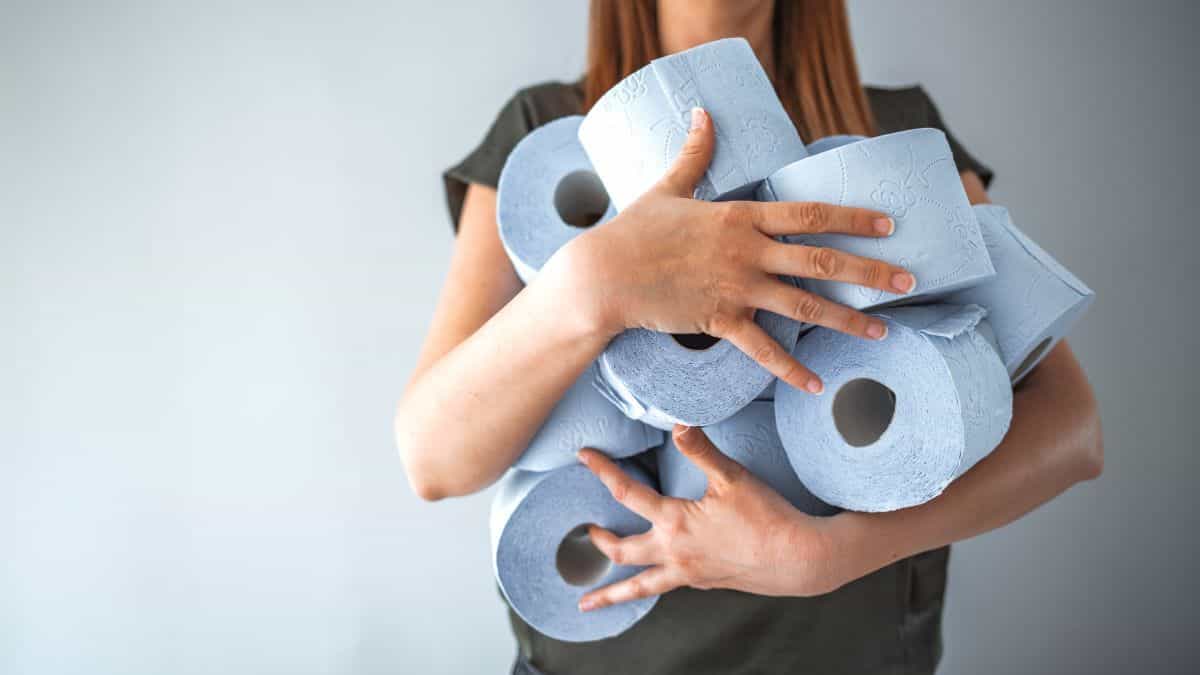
x,y
223,231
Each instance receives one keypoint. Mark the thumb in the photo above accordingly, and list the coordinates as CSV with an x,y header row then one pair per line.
x,y
693,159
695,445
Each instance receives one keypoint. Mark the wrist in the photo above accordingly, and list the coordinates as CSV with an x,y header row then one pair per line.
x,y
869,541
575,276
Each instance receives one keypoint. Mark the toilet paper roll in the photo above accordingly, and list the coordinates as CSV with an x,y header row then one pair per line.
x,y
655,378
585,419
830,142
544,560
911,176
548,194
634,132
750,439
900,418
1033,300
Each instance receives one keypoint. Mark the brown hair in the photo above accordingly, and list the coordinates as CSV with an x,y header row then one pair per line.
x,y
815,75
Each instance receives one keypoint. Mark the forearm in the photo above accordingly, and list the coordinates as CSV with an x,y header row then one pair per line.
x,y
465,418
1054,442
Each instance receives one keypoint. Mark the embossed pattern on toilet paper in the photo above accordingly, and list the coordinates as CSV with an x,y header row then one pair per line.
x,y
584,418
911,176
634,132
1032,298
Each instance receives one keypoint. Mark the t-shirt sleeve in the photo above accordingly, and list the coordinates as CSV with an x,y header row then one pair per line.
x,y
963,159
483,164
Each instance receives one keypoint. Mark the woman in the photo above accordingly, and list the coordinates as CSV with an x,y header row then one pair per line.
x,y
851,593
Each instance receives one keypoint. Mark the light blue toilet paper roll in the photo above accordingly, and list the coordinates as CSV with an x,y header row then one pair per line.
x,y
911,176
1032,302
585,419
548,194
767,394
830,142
634,132
543,558
749,438
900,418
654,378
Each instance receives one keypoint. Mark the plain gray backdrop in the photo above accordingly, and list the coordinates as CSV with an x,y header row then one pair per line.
x,y
223,233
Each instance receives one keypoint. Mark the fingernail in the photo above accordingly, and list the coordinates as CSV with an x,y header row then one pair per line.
x,y
587,605
581,456
877,330
904,282
697,118
815,386
885,225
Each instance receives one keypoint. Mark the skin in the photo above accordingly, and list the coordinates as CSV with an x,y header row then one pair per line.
x,y
459,424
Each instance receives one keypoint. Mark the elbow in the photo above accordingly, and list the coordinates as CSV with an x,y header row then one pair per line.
x,y
424,488
424,482
421,478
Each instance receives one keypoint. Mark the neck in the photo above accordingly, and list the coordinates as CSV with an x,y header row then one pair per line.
x,y
683,24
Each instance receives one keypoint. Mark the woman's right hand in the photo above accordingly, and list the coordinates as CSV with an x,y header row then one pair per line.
x,y
675,264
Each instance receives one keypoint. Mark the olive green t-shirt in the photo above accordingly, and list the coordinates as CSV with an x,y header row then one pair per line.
x,y
886,622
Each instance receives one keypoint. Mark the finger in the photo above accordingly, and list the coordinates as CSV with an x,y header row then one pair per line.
x,y
654,581
693,159
635,496
639,549
787,300
696,446
754,341
818,262
782,218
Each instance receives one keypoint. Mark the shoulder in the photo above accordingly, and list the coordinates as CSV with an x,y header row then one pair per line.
x,y
545,102
526,110
900,108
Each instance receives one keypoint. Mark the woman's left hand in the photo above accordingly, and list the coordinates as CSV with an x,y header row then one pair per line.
x,y
741,535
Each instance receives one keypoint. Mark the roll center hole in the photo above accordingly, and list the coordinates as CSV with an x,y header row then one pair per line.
x,y
580,198
863,410
695,341
578,560
1031,359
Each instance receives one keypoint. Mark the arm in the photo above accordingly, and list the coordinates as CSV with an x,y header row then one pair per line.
x,y
1054,441
458,425
497,359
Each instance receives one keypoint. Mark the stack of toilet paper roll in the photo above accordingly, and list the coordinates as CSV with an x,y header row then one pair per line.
x,y
900,419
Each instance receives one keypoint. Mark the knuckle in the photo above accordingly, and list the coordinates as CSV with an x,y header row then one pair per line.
x,y
620,491
685,565
790,373
637,588
693,145
825,263
809,309
734,474
764,353
855,322
616,554
872,274
811,216
672,523
734,213
719,324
